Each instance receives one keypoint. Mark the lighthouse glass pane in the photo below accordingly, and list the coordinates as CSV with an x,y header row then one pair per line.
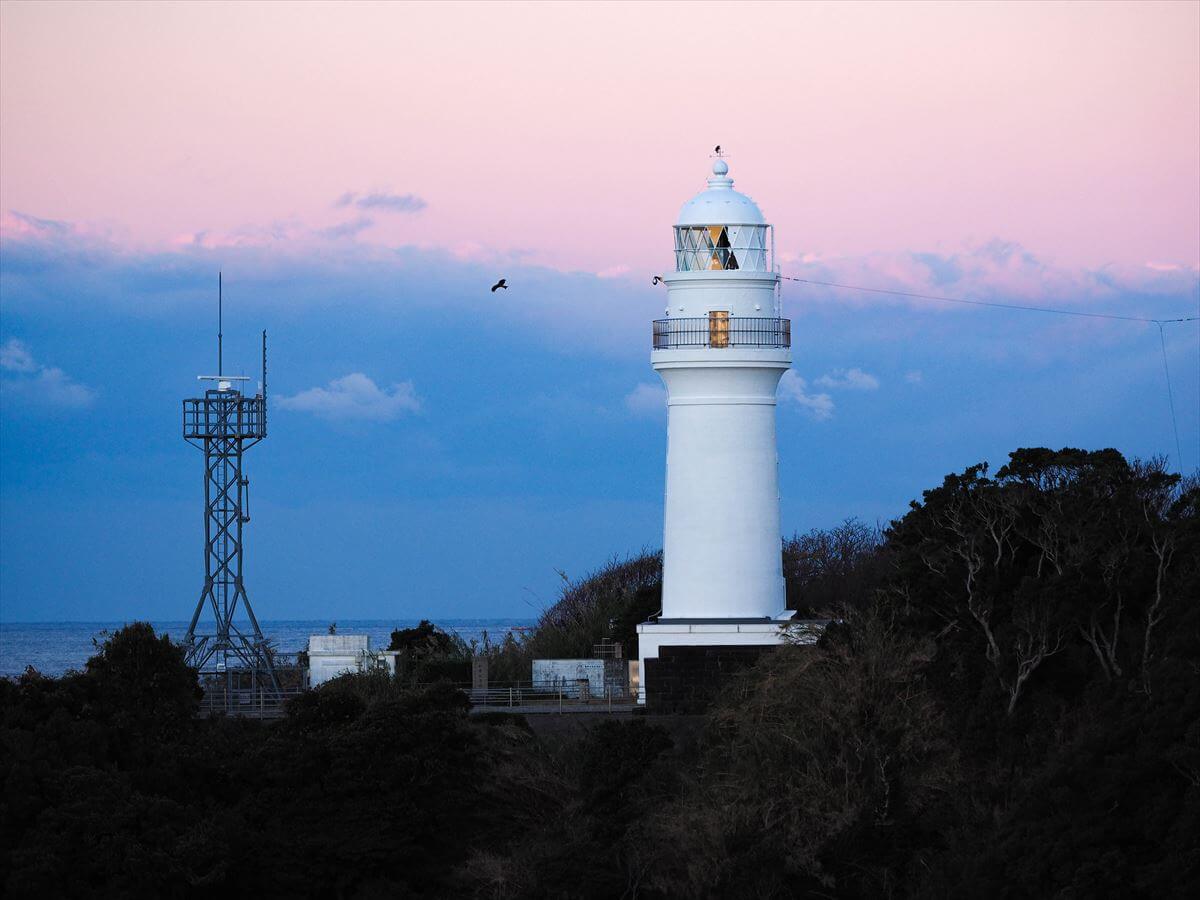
x,y
721,256
693,248
721,248
750,243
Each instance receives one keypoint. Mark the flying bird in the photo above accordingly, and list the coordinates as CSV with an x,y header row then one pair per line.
x,y
657,279
718,150
499,284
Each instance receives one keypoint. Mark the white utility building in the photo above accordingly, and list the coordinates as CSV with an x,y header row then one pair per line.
x,y
331,655
721,351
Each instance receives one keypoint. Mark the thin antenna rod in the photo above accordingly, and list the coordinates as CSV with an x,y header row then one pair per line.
x,y
220,326
264,384
1162,342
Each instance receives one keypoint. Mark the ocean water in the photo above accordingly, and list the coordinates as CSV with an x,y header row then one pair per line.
x,y
55,647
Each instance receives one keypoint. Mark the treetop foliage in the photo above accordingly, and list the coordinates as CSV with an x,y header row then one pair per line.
x,y
427,639
1059,547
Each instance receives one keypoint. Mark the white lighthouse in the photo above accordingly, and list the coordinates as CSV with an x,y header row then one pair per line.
x,y
720,350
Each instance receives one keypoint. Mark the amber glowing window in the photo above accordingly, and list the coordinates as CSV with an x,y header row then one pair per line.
x,y
718,328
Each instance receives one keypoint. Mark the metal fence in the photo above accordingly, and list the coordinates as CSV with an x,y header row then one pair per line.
x,y
767,333
523,697
251,703
607,649
558,698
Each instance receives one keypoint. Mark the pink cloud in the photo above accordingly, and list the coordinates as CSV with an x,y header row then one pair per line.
x,y
880,129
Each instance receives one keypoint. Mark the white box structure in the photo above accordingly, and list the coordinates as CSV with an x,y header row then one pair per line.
x,y
331,655
721,351
602,677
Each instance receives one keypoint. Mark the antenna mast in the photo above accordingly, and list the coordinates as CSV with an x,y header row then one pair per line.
x,y
224,423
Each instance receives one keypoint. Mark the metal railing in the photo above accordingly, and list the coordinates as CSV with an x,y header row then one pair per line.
x,y
763,333
534,698
225,415
522,697
255,703
607,649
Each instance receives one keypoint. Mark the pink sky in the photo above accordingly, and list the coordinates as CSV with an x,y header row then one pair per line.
x,y
572,133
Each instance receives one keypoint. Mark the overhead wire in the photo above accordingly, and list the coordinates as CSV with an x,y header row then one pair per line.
x,y
1042,309
1170,396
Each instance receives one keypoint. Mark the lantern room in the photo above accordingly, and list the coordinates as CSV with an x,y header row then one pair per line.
x,y
722,230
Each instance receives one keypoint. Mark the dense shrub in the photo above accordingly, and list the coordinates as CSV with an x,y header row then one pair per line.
x,y
824,767
827,570
1007,706
426,639
602,605
429,654
581,801
605,605
109,786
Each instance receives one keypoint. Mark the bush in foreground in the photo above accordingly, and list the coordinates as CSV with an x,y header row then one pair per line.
x,y
1009,706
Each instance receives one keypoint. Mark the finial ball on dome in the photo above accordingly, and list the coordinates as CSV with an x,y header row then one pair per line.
x,y
720,203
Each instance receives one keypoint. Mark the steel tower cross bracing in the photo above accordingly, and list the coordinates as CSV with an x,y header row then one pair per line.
x,y
224,423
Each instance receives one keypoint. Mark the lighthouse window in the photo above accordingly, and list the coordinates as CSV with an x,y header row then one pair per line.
x,y
721,256
720,248
718,328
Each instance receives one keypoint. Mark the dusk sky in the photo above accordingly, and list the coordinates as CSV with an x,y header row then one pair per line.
x,y
363,173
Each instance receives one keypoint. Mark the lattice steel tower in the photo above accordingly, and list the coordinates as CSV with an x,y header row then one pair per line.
x,y
224,423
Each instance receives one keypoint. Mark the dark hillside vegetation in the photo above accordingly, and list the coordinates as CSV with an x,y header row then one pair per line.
x,y
604,605
1008,705
828,571
1011,707
365,785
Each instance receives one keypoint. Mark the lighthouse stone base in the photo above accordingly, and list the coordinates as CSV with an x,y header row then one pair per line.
x,y
682,662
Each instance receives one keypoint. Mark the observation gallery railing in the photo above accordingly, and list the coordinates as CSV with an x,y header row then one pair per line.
x,y
720,332
225,415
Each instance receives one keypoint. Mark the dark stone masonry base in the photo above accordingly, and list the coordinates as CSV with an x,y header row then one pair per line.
x,y
684,680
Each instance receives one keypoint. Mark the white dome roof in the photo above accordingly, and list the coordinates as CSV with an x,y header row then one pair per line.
x,y
720,204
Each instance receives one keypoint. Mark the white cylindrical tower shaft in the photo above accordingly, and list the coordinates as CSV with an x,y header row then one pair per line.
x,y
721,536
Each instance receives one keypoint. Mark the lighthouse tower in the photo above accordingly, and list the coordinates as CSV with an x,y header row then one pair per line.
x,y
720,349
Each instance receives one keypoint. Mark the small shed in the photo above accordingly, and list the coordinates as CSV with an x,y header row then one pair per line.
x,y
331,655
581,678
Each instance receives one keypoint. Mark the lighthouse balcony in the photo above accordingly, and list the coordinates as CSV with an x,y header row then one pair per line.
x,y
720,330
